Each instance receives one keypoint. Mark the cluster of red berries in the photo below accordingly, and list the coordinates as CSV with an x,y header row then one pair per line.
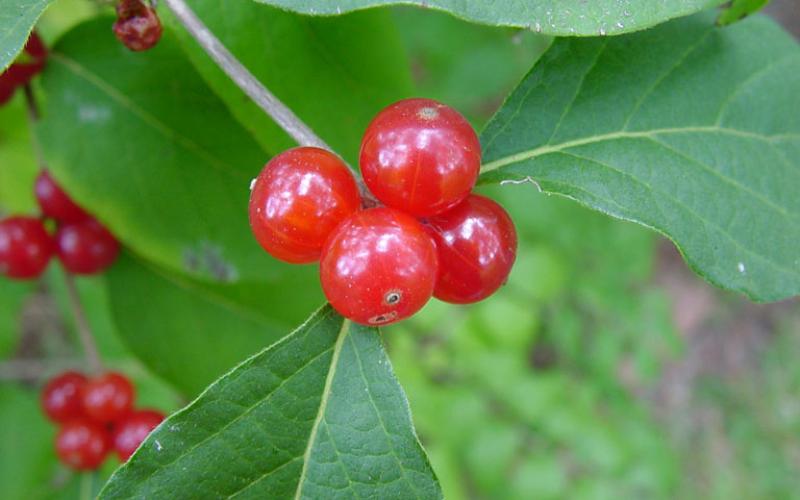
x,y
95,416
28,64
83,245
420,159
137,25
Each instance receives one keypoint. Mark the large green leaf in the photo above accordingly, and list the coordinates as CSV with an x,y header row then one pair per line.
x,y
189,332
18,167
17,18
23,429
739,9
336,74
317,415
689,129
141,140
553,17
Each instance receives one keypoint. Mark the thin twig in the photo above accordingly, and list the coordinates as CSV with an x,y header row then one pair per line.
x,y
33,108
265,99
34,369
271,105
82,325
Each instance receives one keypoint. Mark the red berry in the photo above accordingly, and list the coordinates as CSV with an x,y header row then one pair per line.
x,y
420,156
107,398
82,444
61,397
137,25
477,246
378,267
132,430
54,202
86,247
298,199
25,247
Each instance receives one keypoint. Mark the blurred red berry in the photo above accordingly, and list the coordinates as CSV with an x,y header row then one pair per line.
x,y
27,65
107,398
137,25
61,397
54,202
130,431
25,247
86,247
298,199
82,445
477,246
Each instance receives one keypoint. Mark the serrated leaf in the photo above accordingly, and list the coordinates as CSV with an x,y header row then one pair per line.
x,y
739,9
335,73
143,143
17,18
552,17
317,415
190,332
689,129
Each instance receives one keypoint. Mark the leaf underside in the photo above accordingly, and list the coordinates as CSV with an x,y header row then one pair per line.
x,y
317,415
17,18
552,17
689,129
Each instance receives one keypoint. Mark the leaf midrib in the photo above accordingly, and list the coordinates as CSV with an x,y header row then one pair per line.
x,y
113,93
622,134
326,391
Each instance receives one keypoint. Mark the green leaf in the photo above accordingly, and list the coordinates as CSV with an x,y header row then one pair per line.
x,y
18,167
143,143
17,18
739,9
689,129
23,429
336,74
553,17
317,415
189,332
469,66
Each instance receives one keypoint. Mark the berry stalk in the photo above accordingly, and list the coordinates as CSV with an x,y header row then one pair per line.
x,y
82,325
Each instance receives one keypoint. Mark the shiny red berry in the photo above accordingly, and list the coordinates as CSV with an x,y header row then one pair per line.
x,y
298,199
82,445
132,430
420,156
378,267
137,25
477,246
25,247
86,247
107,398
61,397
54,202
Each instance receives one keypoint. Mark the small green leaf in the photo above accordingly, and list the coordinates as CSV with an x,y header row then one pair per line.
x,y
739,9
552,17
689,129
17,18
334,73
317,415
190,332
18,167
142,142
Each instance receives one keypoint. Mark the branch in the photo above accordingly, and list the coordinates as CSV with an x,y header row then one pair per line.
x,y
266,100
34,369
